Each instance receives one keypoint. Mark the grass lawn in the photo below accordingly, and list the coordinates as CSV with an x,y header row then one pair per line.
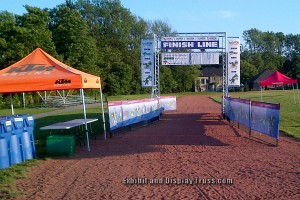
x,y
289,107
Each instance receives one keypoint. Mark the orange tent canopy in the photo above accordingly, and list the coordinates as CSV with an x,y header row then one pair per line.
x,y
40,72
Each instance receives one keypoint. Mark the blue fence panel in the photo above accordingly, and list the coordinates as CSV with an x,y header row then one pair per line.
x,y
244,112
265,118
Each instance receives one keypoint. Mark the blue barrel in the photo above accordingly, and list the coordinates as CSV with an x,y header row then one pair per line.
x,y
15,150
5,127
4,156
28,126
18,129
5,135
26,146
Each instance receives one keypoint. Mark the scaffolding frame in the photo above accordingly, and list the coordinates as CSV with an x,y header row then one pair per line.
x,y
155,92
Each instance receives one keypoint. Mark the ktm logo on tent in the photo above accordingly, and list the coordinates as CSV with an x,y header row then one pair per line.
x,y
62,81
30,68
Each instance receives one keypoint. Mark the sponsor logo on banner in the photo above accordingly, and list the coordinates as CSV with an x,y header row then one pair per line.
x,y
190,58
147,60
233,50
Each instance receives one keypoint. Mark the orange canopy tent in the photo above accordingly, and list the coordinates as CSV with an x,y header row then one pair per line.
x,y
39,71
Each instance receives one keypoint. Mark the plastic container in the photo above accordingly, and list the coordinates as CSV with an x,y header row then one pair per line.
x,y
60,145
5,136
15,150
18,129
28,126
26,146
4,155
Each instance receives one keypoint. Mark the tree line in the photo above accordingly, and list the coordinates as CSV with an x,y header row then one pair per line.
x,y
101,37
269,50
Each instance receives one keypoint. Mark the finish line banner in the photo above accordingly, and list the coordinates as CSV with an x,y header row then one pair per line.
x,y
190,42
190,58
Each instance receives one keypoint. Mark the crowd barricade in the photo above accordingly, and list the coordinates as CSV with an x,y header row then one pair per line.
x,y
126,113
257,116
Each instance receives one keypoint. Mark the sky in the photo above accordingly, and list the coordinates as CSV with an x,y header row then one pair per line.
x,y
198,16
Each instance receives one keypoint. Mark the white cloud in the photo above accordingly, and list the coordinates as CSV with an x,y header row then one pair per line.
x,y
226,14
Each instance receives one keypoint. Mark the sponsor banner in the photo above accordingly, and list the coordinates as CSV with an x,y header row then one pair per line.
x,y
124,113
190,42
115,115
131,112
168,103
233,52
190,58
265,118
240,111
147,62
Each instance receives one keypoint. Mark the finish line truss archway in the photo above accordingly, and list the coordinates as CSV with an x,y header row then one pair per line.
x,y
190,49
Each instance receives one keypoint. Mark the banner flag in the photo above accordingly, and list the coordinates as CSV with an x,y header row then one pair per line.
x,y
233,73
190,58
147,62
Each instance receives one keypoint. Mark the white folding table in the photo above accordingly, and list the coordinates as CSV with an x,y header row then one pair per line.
x,y
75,123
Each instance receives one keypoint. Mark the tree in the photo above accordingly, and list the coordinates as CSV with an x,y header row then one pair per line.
x,y
34,30
247,71
72,39
167,83
11,48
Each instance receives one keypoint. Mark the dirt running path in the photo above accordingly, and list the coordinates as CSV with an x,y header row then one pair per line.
x,y
172,158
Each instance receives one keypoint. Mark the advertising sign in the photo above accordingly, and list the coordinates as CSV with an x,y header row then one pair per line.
x,y
147,62
233,73
115,115
190,58
265,118
168,103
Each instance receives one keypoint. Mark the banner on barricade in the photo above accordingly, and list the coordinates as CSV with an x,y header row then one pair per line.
x,y
262,117
265,118
115,114
124,113
168,103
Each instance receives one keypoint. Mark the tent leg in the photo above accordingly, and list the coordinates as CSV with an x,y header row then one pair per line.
x,y
11,104
294,93
85,124
103,116
24,103
298,92
261,94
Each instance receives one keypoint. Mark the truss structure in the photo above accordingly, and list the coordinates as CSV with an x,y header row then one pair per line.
x,y
222,49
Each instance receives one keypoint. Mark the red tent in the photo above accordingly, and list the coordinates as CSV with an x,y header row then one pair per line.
x,y
277,78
